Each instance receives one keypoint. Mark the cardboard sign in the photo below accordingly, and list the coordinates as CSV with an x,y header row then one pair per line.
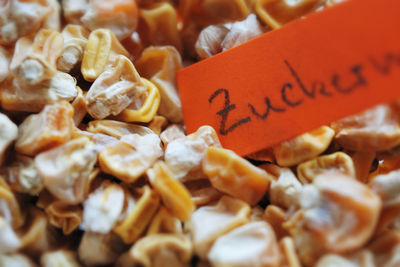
x,y
309,73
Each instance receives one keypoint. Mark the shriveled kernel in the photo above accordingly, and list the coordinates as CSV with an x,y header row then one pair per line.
x,y
129,159
184,155
119,16
20,18
338,213
64,216
116,129
66,169
8,133
221,217
159,250
234,175
159,65
102,209
135,223
20,97
75,39
102,50
100,249
209,41
387,186
303,147
158,25
252,244
51,127
336,162
277,13
114,89
284,192
22,176
173,193
73,10
144,105
375,129
241,32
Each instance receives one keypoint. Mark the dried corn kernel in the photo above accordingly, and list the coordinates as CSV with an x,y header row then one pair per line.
x,y
284,192
159,65
227,214
129,159
120,16
100,249
234,175
158,25
159,250
102,209
375,129
114,89
183,155
335,162
134,224
252,244
157,124
19,18
5,59
303,147
22,176
75,40
173,193
102,50
275,13
387,186
288,250
338,213
51,127
79,106
116,129
144,106
65,216
66,168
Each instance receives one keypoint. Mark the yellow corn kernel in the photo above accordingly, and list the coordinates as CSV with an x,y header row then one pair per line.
x,y
221,217
276,13
159,65
101,50
160,250
234,175
129,159
64,216
372,130
75,40
79,106
131,228
47,129
164,222
202,191
48,45
158,25
116,129
173,193
275,216
114,89
148,107
303,147
335,162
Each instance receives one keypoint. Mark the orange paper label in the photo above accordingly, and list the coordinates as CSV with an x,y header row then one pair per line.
x,y
311,72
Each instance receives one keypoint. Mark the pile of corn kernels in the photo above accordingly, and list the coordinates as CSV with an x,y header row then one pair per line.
x,y
97,169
